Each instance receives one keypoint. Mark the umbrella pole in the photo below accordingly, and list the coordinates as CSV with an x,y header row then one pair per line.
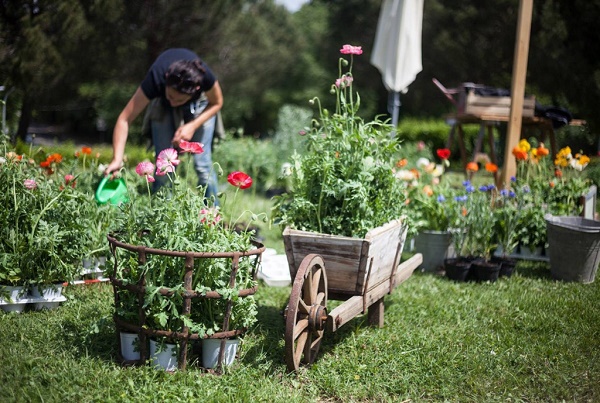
x,y
394,110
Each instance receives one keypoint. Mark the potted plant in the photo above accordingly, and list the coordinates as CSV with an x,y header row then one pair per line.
x,y
473,224
547,187
507,211
343,184
42,231
428,204
192,269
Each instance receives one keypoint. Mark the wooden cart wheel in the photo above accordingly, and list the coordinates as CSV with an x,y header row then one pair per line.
x,y
306,313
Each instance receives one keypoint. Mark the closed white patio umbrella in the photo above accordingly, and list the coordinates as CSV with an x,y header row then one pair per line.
x,y
397,48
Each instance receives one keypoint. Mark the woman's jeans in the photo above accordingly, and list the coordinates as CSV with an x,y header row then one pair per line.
x,y
164,120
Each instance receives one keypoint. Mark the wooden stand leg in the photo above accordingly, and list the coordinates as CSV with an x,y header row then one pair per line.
x,y
461,145
375,313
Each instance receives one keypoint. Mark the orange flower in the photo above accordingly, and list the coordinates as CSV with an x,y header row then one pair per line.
x,y
472,167
415,172
45,164
558,173
337,154
552,184
402,163
54,158
491,167
519,153
86,150
542,151
464,211
428,190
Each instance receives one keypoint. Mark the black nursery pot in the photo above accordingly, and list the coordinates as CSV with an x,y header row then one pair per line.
x,y
457,269
507,265
486,270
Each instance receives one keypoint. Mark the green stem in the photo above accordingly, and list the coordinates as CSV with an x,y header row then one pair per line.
x,y
39,217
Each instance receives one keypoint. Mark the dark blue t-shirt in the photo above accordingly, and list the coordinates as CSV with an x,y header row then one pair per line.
x,y
153,85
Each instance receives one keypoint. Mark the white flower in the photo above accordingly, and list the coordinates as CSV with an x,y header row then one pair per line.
x,y
422,163
438,171
2,160
575,164
286,169
405,175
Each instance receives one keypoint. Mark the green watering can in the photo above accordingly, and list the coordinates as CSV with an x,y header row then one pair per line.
x,y
113,191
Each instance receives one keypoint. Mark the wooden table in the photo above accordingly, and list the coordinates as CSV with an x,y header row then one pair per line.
x,y
487,124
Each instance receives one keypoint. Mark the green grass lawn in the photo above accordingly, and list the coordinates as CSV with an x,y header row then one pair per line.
x,y
527,338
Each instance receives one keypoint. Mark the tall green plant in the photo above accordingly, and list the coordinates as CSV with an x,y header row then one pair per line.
x,y
344,183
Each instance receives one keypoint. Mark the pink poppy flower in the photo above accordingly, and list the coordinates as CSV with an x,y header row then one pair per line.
x,y
209,216
144,168
170,155
163,166
191,147
344,82
70,180
30,184
240,179
351,50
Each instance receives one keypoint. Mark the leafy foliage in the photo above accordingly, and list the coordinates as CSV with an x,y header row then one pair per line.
x,y
344,183
43,232
178,218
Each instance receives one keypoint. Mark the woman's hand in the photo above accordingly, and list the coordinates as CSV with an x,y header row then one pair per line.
x,y
112,167
184,132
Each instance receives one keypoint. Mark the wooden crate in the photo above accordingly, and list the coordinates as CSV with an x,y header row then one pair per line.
x,y
477,105
353,265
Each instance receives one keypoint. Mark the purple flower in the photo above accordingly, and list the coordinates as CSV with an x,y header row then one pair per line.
x,y
441,198
470,188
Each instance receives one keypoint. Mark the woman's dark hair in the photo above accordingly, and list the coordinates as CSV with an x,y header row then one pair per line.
x,y
185,75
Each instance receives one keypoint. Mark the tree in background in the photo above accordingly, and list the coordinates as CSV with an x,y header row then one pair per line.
x,y
82,57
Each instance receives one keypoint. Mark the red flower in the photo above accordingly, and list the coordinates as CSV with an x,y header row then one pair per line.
x,y
239,179
191,147
443,153
86,150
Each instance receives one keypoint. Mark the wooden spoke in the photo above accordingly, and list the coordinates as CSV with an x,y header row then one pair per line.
x,y
306,313
316,277
301,325
303,308
299,351
320,298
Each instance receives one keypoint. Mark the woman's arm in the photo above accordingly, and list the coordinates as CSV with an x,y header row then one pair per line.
x,y
134,107
215,103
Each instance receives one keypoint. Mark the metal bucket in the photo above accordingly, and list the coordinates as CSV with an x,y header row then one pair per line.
x,y
435,247
574,248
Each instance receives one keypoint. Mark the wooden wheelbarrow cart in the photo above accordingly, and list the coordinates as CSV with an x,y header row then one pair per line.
x,y
359,272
